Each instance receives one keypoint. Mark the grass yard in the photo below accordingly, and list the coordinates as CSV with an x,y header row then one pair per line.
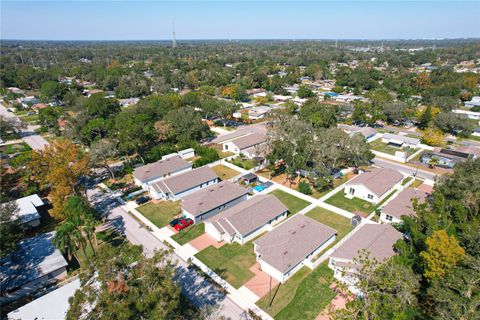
x,y
416,183
32,118
231,262
293,203
161,213
386,198
406,180
353,205
224,172
378,145
331,219
246,164
189,234
15,148
303,296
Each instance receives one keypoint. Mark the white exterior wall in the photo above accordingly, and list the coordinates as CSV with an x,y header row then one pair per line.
x,y
215,211
230,146
361,192
212,231
383,218
277,275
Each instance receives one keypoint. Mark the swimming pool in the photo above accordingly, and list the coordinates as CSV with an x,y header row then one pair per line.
x,y
259,188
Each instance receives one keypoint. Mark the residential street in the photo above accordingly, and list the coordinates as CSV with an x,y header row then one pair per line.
x,y
194,286
35,141
403,168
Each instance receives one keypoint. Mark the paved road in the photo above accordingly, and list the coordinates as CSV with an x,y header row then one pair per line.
x,y
403,168
35,141
194,286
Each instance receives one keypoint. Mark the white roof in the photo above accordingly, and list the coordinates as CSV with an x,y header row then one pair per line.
x,y
27,208
53,305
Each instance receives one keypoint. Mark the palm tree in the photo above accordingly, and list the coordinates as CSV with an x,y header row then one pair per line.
x,y
64,240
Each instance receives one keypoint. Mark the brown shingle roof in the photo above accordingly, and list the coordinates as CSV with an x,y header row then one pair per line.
x,y
185,181
249,140
378,180
377,239
247,216
402,204
287,245
212,197
161,168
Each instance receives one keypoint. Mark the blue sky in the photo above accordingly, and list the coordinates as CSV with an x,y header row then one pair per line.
x,y
152,20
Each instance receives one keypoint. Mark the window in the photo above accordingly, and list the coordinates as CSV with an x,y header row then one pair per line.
x,y
226,146
370,196
388,217
352,190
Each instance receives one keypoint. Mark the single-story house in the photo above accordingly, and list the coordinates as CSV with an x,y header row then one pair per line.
x,y
239,145
402,205
472,151
183,184
39,106
147,174
209,201
287,248
240,132
27,211
476,132
246,220
469,114
35,264
376,240
186,153
256,113
374,184
400,141
53,305
367,132
128,102
448,158
475,102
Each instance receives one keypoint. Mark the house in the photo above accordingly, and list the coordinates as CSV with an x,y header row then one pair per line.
x,y
475,102
367,132
402,205
34,265
373,185
128,102
376,240
469,114
400,141
256,113
27,211
186,153
476,132
246,220
28,101
245,144
473,152
161,169
205,203
16,90
448,158
53,305
182,184
39,106
241,132
287,248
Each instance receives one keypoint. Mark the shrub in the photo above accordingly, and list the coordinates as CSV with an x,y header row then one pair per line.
x,y
304,188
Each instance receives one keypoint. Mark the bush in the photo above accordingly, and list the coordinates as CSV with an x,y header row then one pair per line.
x,y
207,155
304,188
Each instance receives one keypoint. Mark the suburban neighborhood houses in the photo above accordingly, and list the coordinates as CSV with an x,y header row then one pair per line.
x,y
240,179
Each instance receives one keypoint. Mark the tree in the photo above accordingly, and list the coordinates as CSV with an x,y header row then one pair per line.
x,y
126,285
320,115
305,92
425,118
59,167
187,125
52,90
66,239
454,123
432,137
48,118
442,254
304,188
101,152
10,127
99,106
10,231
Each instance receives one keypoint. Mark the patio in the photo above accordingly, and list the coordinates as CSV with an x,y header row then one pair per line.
x,y
260,284
204,241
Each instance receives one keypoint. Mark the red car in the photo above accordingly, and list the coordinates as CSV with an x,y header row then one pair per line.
x,y
183,223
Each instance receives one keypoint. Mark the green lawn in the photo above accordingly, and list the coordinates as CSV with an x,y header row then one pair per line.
x,y
15,148
331,219
293,203
353,205
160,214
31,118
224,172
303,296
189,234
386,198
246,164
231,262
336,182
406,180
378,145
416,183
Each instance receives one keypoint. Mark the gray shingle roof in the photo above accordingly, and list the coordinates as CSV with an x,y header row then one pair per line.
x,y
405,139
377,239
34,258
249,140
161,168
240,132
377,180
402,204
212,197
185,181
292,241
247,216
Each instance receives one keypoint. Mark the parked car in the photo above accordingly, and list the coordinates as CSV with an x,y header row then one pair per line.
x,y
183,224
174,222
142,200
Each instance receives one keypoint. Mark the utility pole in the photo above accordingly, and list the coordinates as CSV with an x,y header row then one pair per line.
x,y
174,40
